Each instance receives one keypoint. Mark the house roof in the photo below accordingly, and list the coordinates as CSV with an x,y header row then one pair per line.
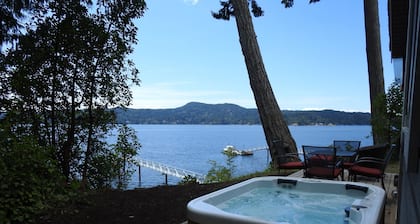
x,y
397,20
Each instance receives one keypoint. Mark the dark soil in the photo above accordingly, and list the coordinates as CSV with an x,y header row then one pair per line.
x,y
162,204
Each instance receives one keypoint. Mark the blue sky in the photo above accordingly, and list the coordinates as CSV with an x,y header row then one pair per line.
x,y
314,55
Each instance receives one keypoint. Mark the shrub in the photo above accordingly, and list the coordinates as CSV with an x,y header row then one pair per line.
x,y
188,180
219,173
30,181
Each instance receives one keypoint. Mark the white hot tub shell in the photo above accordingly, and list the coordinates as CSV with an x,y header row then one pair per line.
x,y
365,210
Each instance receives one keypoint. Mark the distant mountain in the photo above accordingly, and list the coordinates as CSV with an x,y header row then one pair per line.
x,y
200,113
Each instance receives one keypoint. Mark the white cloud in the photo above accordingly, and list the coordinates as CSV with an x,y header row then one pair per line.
x,y
172,95
176,94
192,2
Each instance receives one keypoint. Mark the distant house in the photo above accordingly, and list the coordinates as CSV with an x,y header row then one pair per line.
x,y
404,32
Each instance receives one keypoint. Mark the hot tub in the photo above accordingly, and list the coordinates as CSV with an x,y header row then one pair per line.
x,y
290,200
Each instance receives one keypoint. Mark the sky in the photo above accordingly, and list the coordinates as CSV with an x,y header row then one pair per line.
x,y
314,55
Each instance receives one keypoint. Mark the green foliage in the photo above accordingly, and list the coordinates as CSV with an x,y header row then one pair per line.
x,y
30,181
126,148
101,169
227,9
11,16
326,117
200,113
394,110
188,180
59,80
390,130
113,165
220,173
56,86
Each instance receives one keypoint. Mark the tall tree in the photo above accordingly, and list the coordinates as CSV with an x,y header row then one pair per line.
x,y
375,70
65,73
274,125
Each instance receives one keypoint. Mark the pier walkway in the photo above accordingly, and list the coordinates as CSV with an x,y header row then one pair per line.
x,y
168,170
256,149
174,171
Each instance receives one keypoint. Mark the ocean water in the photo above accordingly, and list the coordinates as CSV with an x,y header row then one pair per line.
x,y
192,147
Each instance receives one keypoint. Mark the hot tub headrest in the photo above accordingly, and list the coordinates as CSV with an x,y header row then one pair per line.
x,y
356,187
286,181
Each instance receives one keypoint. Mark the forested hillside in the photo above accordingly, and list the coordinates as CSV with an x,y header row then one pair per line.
x,y
200,113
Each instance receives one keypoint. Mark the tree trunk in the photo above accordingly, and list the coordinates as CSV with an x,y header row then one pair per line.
x,y
375,70
89,144
71,131
274,125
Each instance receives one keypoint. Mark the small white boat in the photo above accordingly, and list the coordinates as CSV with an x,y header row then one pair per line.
x,y
230,149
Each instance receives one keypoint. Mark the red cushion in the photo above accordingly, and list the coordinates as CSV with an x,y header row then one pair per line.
x,y
321,157
347,165
329,158
367,171
323,172
292,165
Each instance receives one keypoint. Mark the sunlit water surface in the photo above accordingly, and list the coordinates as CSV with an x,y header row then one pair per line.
x,y
192,147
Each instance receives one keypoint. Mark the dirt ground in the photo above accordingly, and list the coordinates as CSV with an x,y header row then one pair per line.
x,y
160,205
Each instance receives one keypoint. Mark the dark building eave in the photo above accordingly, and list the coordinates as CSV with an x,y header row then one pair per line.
x,y
398,21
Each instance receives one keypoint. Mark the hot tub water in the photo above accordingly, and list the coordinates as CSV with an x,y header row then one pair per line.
x,y
282,204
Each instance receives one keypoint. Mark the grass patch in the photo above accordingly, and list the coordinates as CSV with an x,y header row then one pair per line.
x,y
393,167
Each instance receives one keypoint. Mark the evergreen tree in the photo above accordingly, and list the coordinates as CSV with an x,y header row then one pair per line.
x,y
272,120
275,127
375,70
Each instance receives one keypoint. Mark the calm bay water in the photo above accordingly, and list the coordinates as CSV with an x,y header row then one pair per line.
x,y
191,147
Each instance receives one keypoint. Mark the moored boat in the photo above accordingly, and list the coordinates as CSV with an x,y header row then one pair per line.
x,y
230,149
